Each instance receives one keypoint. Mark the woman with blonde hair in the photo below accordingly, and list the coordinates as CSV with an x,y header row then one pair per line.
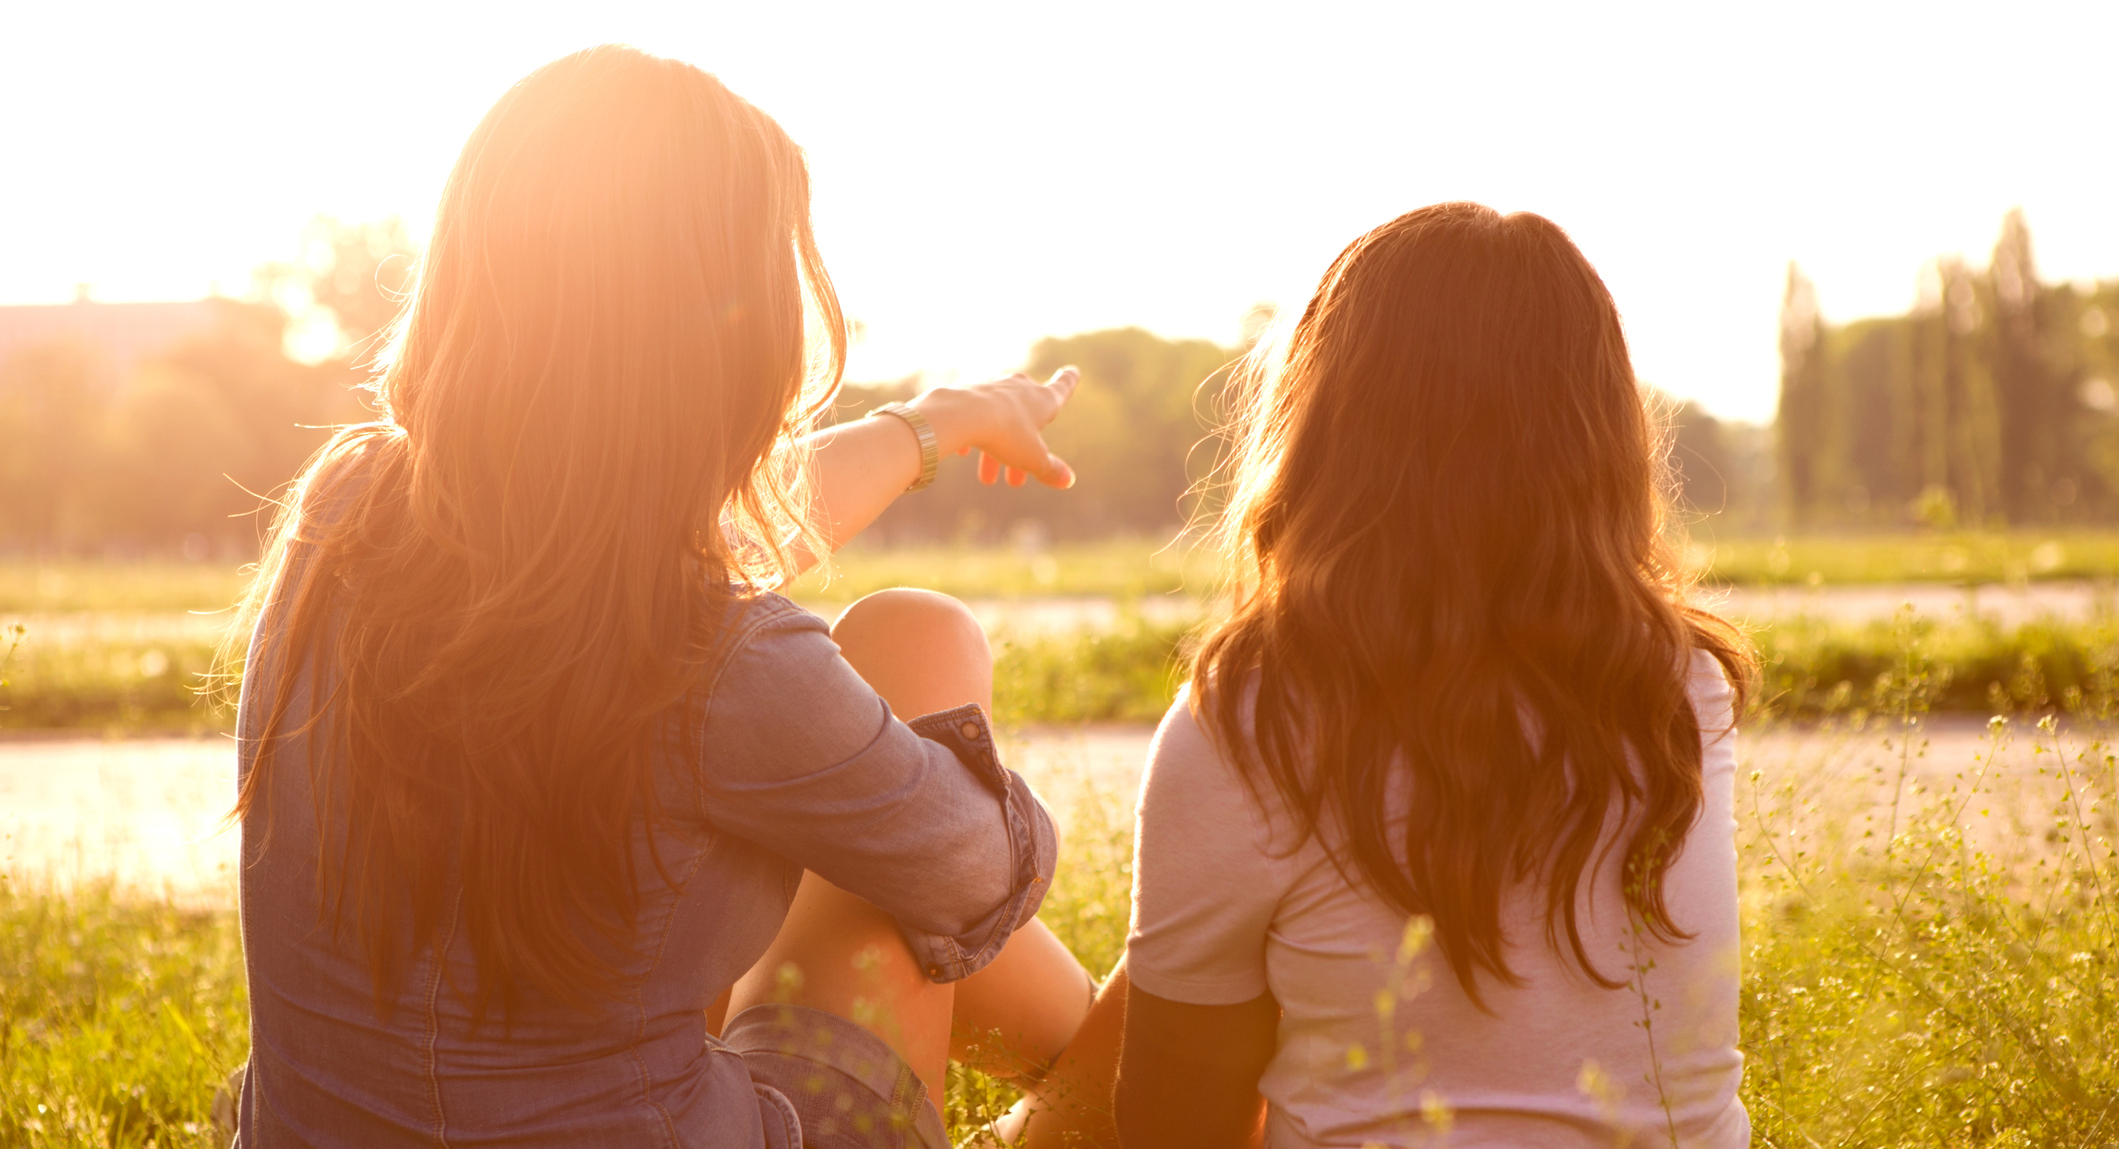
x,y
558,827
1438,842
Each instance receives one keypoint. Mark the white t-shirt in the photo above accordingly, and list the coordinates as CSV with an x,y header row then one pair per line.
x,y
1377,1038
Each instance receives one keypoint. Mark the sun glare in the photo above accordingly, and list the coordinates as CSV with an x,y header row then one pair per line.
x,y
986,178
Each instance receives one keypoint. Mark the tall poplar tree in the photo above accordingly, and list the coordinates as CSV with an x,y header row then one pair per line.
x,y
1806,423
2029,392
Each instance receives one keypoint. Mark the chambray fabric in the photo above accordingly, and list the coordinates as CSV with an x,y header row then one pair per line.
x,y
802,766
846,1088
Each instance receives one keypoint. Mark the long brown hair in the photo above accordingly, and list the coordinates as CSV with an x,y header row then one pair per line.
x,y
508,583
1447,511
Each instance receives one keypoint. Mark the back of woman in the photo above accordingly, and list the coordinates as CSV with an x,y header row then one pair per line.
x,y
421,1057
557,829
1377,1042
1440,836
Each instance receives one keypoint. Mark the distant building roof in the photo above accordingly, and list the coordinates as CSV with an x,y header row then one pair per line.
x,y
123,334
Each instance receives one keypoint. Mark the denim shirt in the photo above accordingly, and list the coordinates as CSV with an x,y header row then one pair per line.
x,y
803,767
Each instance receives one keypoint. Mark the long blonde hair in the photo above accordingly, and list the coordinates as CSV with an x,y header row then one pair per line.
x,y
1447,511
502,594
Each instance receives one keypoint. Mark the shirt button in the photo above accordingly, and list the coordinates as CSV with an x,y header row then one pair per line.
x,y
969,730
934,973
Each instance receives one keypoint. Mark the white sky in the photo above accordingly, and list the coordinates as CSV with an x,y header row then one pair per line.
x,y
987,174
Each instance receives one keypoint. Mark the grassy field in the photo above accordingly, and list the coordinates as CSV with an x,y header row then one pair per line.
x,y
1129,673
1935,965
1968,557
73,587
1121,568
117,1020
1924,964
1127,568
121,647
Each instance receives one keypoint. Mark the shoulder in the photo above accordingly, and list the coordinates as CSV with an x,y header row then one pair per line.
x,y
1179,734
345,469
762,626
1183,752
753,614
1192,781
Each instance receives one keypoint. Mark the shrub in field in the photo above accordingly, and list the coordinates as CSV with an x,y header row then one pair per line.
x,y
12,635
1127,674
120,687
1814,667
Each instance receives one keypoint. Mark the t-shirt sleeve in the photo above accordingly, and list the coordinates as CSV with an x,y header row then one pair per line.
x,y
1714,707
1205,885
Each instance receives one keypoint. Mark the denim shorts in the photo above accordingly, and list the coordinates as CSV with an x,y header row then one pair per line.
x,y
832,1084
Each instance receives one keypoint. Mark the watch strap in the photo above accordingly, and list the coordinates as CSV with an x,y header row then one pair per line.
x,y
930,447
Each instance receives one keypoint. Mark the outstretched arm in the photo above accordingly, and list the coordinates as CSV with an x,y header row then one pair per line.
x,y
862,466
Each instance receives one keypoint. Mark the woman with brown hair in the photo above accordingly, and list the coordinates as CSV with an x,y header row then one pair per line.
x,y
1438,841
532,763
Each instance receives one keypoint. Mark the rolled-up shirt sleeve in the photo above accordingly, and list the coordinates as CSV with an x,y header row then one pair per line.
x,y
802,758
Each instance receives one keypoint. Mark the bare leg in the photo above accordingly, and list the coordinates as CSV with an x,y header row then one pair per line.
x,y
1071,1106
922,652
1015,1016
841,955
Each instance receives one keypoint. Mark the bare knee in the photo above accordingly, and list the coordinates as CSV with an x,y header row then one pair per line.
x,y
922,651
903,615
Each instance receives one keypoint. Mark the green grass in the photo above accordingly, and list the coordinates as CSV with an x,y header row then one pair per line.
x,y
75,586
111,687
1126,568
1127,674
1942,969
1967,557
149,684
1119,568
1131,672
1822,668
118,1018
1941,974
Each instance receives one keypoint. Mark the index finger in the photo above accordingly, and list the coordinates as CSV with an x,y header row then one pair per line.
x,y
1064,381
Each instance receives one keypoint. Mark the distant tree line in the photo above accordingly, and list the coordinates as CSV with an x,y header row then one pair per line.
x,y
173,460
179,455
1136,434
1722,471
1991,403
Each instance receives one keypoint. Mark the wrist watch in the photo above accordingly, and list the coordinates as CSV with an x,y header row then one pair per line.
x,y
930,447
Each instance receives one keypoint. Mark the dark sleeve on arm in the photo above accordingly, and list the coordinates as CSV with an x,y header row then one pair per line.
x,y
802,758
